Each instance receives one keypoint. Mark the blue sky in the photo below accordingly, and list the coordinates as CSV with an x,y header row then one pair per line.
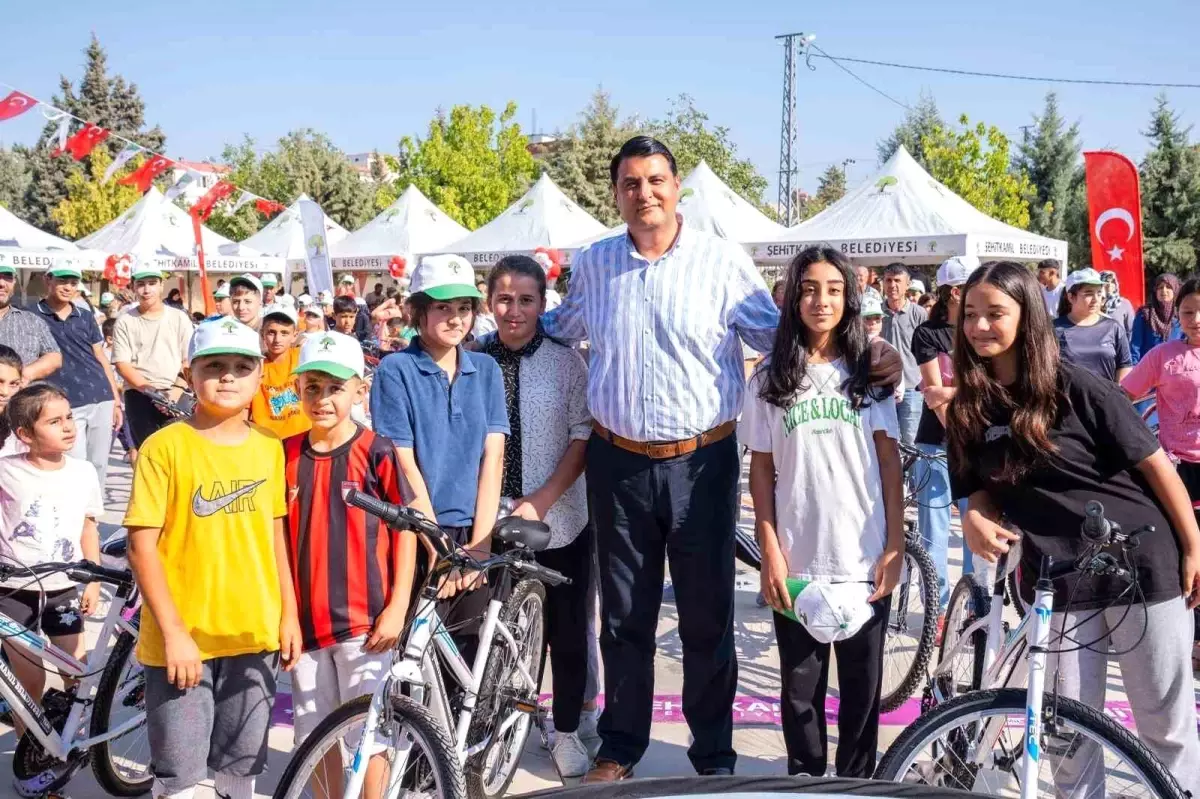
x,y
367,73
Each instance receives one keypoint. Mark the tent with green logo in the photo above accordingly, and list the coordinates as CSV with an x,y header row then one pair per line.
x,y
901,214
408,227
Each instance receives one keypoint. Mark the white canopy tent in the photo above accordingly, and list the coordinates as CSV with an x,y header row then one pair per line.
x,y
25,247
156,231
708,204
408,227
543,217
283,236
901,214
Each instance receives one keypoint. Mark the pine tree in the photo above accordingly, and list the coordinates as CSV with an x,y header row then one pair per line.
x,y
110,103
920,121
1170,177
831,186
580,163
1050,158
14,180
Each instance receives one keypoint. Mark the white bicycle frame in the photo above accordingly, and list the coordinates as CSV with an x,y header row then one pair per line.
x,y
419,670
32,645
1006,664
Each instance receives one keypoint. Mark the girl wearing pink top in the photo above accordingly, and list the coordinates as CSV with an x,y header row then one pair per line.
x,y
1172,370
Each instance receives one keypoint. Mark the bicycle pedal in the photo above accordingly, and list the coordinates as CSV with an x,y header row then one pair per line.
x,y
526,706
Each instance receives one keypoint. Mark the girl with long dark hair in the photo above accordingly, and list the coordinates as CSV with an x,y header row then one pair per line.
x,y
1154,321
1034,437
826,480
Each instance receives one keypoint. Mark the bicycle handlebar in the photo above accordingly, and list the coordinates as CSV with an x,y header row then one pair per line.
x,y
81,571
401,517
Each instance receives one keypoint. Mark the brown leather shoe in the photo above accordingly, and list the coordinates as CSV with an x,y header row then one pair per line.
x,y
607,771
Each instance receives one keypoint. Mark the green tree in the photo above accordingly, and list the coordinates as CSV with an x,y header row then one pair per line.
x,y
383,188
91,204
974,163
304,162
14,180
472,164
111,103
580,163
920,121
1050,157
686,131
1170,177
1075,221
831,186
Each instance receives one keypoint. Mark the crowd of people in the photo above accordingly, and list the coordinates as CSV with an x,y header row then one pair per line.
x,y
630,449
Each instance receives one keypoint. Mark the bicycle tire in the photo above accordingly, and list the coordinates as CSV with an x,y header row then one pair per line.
x,y
106,773
971,595
493,700
1013,700
405,711
917,557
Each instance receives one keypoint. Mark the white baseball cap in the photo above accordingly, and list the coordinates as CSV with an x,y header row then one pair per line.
x,y
247,280
957,270
269,280
917,285
831,611
1084,277
222,292
223,336
107,298
325,298
332,353
347,279
871,306
304,300
444,277
279,309
285,299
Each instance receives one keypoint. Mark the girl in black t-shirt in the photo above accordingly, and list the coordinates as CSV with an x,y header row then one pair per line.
x,y
1034,438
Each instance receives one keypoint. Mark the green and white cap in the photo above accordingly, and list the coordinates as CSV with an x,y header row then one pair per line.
x,y
332,353
830,611
444,277
65,269
278,309
6,267
107,298
1084,277
223,336
871,306
222,292
142,272
248,280
269,280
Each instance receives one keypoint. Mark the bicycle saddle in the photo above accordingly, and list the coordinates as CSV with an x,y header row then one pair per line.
x,y
534,536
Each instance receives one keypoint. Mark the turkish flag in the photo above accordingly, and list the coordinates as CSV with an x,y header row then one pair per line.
x,y
15,104
1115,220
83,142
145,174
268,207
203,208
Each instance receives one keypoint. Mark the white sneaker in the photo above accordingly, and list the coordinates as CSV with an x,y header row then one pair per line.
x,y
570,755
587,731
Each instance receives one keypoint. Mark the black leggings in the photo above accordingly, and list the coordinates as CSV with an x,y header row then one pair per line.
x,y
1189,473
567,627
142,417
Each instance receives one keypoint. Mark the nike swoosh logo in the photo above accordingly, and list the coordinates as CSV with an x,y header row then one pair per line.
x,y
207,507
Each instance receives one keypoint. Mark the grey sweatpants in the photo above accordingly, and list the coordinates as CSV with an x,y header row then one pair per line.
x,y
221,724
1157,675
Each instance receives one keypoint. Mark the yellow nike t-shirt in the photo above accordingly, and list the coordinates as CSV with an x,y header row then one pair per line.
x,y
217,507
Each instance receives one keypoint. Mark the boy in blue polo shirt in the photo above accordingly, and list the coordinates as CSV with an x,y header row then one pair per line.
x,y
443,408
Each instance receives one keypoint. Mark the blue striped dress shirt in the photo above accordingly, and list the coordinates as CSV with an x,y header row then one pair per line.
x,y
666,362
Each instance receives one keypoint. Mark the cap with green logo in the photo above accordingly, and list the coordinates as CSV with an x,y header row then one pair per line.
x,y
332,353
223,336
65,271
269,280
444,277
222,292
107,298
143,272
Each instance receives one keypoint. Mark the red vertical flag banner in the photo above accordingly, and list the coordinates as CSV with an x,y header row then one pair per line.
x,y
210,305
1115,220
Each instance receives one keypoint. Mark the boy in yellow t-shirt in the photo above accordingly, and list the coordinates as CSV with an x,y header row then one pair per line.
x,y
207,546
276,404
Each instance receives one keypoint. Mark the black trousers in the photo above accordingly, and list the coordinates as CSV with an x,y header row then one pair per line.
x,y
685,509
142,418
1189,473
804,668
567,628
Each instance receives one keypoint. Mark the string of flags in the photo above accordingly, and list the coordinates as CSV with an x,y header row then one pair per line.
x,y
83,141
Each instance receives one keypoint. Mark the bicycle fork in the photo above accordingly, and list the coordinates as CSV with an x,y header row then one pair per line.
x,y
1043,606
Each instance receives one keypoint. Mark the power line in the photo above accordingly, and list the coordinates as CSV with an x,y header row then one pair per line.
x,y
838,63
1000,75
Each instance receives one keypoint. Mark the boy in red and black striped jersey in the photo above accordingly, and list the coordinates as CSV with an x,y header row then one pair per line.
x,y
353,575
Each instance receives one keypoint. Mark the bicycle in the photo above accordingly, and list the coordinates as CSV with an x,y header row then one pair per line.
x,y
107,703
411,718
962,741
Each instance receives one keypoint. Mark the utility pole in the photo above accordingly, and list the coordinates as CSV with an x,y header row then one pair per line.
x,y
793,45
847,162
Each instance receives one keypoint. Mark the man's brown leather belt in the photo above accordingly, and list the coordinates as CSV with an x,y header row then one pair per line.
x,y
659,450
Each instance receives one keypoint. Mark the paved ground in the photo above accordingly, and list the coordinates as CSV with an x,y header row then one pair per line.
x,y
757,735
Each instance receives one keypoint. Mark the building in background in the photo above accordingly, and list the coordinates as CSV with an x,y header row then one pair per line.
x,y
205,176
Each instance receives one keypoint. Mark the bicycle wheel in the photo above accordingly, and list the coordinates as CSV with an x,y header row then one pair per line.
x,y
912,624
490,771
121,765
977,743
428,767
969,602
